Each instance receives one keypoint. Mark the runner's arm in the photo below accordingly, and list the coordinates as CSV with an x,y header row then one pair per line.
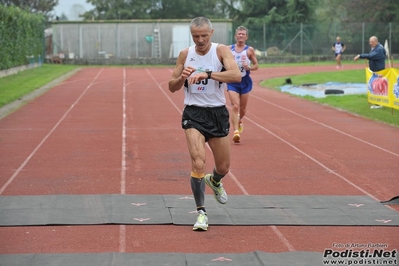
x,y
254,61
232,73
180,74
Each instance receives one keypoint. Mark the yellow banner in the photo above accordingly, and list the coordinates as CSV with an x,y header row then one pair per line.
x,y
383,87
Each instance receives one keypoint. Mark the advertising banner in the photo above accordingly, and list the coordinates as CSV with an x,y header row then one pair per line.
x,y
383,87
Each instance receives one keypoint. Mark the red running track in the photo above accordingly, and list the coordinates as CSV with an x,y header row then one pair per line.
x,y
117,130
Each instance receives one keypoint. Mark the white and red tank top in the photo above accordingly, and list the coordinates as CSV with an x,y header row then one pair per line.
x,y
208,92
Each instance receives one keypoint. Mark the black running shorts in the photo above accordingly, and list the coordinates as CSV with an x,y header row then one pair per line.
x,y
212,122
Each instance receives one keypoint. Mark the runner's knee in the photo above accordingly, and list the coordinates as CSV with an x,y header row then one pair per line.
x,y
243,110
235,105
223,168
198,164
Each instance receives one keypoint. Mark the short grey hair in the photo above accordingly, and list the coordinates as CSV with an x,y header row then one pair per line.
x,y
200,21
242,28
374,38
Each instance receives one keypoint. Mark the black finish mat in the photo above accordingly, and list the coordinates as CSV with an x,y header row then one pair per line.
x,y
256,258
180,210
394,200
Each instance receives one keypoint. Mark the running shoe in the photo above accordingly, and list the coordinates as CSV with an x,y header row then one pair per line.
x,y
202,222
236,137
240,127
220,193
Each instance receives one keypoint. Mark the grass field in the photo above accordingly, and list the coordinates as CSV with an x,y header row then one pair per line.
x,y
15,86
345,76
356,104
313,63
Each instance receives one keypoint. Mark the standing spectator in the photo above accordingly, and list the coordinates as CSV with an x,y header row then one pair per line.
x,y
376,56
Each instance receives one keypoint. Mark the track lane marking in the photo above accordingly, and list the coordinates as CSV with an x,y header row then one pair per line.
x,y
122,227
123,148
326,126
12,178
329,170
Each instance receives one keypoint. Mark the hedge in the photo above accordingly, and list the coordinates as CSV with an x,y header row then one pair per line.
x,y
21,37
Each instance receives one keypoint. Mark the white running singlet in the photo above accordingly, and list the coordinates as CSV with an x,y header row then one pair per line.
x,y
338,47
240,58
208,92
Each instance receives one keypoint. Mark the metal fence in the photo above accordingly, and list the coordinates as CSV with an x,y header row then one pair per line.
x,y
317,39
127,39
164,39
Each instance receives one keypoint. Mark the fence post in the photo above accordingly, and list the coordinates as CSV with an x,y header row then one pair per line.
x,y
137,41
117,37
264,36
62,39
54,48
301,39
363,38
390,36
98,43
80,41
43,54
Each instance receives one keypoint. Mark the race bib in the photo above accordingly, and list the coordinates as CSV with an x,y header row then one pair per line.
x,y
203,86
241,59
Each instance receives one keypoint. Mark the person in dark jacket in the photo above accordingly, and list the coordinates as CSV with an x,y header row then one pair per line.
x,y
376,56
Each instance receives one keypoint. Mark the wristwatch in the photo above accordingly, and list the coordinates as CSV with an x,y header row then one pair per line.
x,y
209,72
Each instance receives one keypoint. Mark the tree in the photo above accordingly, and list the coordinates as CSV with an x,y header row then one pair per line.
x,y
182,9
63,17
370,11
277,11
76,12
118,9
44,7
352,18
232,8
158,9
280,18
359,11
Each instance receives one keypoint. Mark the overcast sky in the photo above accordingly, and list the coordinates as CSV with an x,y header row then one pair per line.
x,y
65,6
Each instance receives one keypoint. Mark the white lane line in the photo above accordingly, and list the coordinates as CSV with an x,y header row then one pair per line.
x,y
329,170
282,238
239,185
122,227
122,238
11,179
123,166
313,159
327,126
280,235
164,93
